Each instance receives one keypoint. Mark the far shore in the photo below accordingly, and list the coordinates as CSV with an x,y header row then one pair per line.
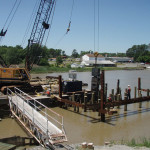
x,y
52,69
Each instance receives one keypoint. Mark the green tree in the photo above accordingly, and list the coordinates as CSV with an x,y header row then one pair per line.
x,y
75,54
53,53
144,59
14,55
37,52
121,54
63,53
43,62
136,51
59,60
86,52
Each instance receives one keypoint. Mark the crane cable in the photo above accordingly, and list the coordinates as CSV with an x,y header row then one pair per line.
x,y
95,26
10,13
14,13
68,29
98,28
30,23
50,23
3,33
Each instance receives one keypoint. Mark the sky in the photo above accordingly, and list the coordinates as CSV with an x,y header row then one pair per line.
x,y
122,24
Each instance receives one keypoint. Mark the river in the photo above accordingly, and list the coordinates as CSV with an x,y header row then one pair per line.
x,y
85,126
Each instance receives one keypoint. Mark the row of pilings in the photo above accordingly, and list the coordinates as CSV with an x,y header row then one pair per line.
x,y
85,99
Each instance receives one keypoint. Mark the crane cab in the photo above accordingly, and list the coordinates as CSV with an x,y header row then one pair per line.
x,y
13,76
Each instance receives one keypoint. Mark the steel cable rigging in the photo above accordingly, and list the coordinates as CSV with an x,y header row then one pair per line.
x,y
50,23
68,29
48,30
94,25
30,22
98,28
96,10
9,19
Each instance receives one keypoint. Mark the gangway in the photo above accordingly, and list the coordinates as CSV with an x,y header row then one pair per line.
x,y
45,125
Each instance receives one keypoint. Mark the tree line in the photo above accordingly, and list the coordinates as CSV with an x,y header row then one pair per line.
x,y
17,54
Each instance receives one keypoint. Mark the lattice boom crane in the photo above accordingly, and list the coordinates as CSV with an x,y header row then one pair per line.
x,y
10,77
44,15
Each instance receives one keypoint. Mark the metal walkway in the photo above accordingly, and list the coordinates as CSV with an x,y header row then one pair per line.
x,y
45,125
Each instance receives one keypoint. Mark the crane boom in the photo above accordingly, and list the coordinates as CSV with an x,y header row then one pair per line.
x,y
44,14
20,76
2,62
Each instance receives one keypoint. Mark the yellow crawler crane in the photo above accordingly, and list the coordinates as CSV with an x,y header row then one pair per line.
x,y
20,76
13,76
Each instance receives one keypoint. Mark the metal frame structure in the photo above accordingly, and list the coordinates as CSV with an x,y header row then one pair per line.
x,y
44,14
2,62
36,119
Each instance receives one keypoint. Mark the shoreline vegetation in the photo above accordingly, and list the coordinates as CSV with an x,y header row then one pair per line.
x,y
52,69
141,144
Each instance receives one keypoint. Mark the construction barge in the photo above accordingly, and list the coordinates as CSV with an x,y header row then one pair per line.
x,y
64,94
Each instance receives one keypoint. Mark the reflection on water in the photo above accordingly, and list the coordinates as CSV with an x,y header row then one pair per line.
x,y
85,126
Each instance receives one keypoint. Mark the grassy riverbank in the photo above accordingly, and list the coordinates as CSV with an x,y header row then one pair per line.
x,y
51,69
141,142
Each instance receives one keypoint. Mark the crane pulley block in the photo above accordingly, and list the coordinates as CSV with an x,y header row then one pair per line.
x,y
45,25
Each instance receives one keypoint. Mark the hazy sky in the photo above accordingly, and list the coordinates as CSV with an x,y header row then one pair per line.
x,y
122,24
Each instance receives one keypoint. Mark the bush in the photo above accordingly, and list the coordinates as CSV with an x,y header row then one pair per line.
x,y
68,66
44,62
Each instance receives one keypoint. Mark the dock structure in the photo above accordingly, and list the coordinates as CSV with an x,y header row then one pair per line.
x,y
45,125
4,100
88,101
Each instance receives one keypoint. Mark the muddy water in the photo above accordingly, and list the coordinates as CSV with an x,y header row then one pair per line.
x,y
86,126
9,127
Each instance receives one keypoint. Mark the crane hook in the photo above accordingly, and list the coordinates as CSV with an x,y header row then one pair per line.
x,y
68,29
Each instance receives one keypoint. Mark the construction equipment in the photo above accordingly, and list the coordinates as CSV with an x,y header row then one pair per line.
x,y
21,76
44,14
2,62
13,77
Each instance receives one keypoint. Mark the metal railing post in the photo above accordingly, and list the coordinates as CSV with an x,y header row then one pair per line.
x,y
47,127
33,115
23,107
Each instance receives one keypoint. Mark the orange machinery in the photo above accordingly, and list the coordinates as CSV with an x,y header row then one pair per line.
x,y
13,76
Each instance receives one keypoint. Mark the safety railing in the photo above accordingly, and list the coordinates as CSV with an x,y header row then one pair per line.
x,y
47,113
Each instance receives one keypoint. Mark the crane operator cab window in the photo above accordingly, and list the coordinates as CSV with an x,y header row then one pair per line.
x,y
23,74
16,73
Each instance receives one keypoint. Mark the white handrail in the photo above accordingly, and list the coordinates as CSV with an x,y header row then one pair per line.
x,y
24,97
25,110
48,116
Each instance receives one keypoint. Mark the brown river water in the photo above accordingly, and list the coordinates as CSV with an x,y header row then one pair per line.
x,y
86,126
